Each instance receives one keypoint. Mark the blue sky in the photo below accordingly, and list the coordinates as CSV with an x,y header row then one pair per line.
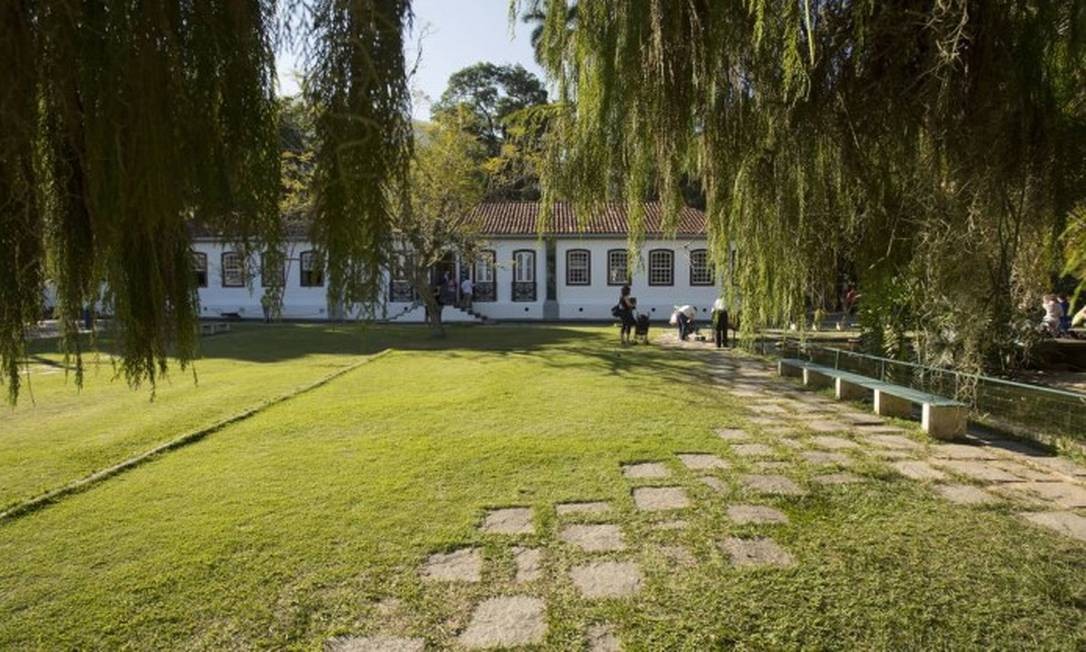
x,y
455,34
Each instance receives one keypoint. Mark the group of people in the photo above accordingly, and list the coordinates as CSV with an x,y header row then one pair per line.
x,y
1057,320
445,292
635,326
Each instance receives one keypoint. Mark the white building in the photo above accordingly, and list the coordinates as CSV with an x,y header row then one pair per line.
x,y
569,272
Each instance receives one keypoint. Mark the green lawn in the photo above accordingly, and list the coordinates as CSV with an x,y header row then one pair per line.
x,y
308,520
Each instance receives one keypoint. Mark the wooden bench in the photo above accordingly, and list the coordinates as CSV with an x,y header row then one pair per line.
x,y
941,417
213,328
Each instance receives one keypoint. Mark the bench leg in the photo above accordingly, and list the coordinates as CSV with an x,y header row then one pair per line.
x,y
944,421
847,391
816,380
789,370
892,406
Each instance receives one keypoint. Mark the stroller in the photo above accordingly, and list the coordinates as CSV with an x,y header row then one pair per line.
x,y
641,329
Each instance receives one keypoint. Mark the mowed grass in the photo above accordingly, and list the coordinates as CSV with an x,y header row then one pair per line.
x,y
312,518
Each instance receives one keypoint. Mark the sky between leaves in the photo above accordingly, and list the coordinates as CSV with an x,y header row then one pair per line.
x,y
454,35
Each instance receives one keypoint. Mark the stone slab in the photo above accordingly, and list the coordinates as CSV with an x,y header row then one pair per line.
x,y
752,450
509,520
602,638
506,621
1063,494
777,485
597,537
374,644
1066,523
529,563
824,458
760,514
702,461
977,470
645,470
893,442
714,483
464,565
829,442
760,551
595,507
963,452
607,579
823,425
654,499
964,494
917,470
837,478
732,434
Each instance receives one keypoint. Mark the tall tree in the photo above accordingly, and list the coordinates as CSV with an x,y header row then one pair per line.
x,y
935,144
490,93
435,214
123,122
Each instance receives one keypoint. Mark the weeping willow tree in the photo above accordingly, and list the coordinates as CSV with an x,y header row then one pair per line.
x,y
124,123
930,144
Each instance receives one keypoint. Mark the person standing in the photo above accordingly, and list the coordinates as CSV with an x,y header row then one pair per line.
x,y
625,310
720,323
467,292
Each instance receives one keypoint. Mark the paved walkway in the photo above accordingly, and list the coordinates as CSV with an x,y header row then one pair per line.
x,y
785,425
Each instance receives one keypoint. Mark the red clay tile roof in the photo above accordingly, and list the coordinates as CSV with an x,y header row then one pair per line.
x,y
520,218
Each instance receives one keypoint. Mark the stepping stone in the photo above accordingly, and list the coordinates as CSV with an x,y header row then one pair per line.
x,y
607,579
1066,523
833,443
918,470
599,507
837,478
822,457
760,551
772,465
655,499
895,442
794,444
509,520
861,419
880,430
770,409
601,537
374,644
777,485
601,638
702,461
892,454
732,434
822,425
765,421
645,470
753,450
464,565
1064,494
977,470
964,494
963,452
1023,471
716,484
506,622
529,564
1060,465
744,514
664,526
781,431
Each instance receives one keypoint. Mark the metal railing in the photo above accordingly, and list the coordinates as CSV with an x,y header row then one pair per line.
x,y
1035,411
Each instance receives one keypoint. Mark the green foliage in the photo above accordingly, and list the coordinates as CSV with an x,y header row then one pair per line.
x,y
938,144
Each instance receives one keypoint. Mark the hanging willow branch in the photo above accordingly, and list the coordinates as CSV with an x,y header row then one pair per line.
x,y
929,146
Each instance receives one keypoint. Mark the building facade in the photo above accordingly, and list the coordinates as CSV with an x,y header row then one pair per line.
x,y
570,270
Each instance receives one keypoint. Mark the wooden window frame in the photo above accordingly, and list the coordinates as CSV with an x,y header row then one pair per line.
x,y
710,269
200,269
302,271
610,267
587,267
671,269
241,268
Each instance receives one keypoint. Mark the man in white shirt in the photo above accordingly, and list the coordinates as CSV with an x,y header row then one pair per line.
x,y
467,289
720,323
683,317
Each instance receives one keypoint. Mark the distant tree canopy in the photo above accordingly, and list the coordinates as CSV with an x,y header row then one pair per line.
x,y
939,146
491,93
122,123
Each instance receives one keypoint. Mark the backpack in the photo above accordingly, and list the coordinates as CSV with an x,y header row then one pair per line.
x,y
616,312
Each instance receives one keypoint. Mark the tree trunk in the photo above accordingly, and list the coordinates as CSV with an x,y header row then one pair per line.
x,y
421,282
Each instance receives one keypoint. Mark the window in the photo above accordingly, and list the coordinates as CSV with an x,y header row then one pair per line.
x,y
199,269
400,288
524,275
233,270
661,267
484,267
702,270
618,268
578,267
272,273
312,272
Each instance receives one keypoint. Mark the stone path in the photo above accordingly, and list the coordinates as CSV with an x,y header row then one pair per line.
x,y
758,468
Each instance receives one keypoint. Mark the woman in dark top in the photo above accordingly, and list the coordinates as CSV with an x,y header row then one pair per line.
x,y
626,305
